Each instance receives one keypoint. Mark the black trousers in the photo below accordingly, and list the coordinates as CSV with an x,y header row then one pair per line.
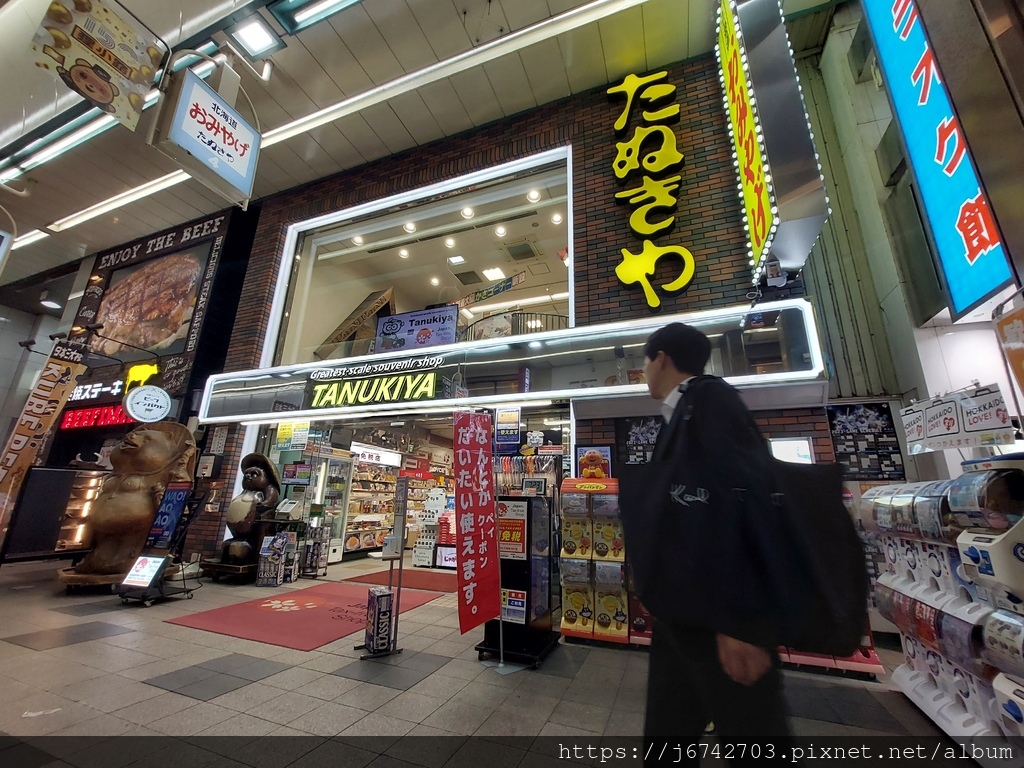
x,y
687,689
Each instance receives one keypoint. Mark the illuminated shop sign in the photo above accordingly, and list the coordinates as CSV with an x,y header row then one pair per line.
x,y
760,216
116,388
650,153
383,389
100,416
968,246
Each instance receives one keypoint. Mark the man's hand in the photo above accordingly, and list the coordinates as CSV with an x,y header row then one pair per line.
x,y
743,662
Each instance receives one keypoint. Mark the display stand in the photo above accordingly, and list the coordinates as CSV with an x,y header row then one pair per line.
x,y
523,634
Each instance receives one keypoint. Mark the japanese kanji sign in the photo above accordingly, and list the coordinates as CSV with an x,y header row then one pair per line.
x,y
759,211
512,529
651,153
1010,328
476,521
967,241
966,419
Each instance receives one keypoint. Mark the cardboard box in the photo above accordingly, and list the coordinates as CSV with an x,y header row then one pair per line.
x,y
379,606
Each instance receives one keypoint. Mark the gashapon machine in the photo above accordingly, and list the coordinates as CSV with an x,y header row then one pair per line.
x,y
954,588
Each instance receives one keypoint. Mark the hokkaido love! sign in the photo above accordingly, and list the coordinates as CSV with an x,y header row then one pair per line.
x,y
476,522
965,419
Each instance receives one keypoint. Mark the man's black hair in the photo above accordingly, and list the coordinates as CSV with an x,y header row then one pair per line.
x,y
687,347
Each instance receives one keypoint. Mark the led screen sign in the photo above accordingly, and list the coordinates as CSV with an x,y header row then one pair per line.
x,y
967,242
100,416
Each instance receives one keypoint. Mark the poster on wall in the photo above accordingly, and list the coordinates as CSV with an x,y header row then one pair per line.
x,y
865,441
967,419
593,461
151,297
638,435
411,330
476,521
506,426
512,529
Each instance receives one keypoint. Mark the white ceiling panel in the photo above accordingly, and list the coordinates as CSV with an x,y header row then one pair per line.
x,y
333,142
414,115
441,23
543,65
477,96
401,31
622,39
335,58
483,20
584,58
446,107
523,13
307,75
367,143
511,85
666,32
360,34
385,123
703,14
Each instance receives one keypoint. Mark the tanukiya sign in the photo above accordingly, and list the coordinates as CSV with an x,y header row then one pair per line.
x,y
646,160
394,381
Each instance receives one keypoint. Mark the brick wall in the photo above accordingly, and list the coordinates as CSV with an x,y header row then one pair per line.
x,y
709,218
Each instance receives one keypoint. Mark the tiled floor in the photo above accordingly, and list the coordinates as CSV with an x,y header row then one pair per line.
x,y
86,665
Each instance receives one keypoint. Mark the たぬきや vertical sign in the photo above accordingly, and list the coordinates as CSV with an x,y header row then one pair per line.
x,y
967,242
476,522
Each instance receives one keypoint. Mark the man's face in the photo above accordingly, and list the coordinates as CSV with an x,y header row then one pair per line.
x,y
653,375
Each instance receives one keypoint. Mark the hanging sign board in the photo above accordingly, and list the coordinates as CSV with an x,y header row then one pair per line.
x,y
101,52
427,328
970,419
506,426
493,290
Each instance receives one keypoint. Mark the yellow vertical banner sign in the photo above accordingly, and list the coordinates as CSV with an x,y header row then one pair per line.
x,y
34,425
751,160
1010,328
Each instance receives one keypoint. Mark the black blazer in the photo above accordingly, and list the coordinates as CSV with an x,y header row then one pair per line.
x,y
725,438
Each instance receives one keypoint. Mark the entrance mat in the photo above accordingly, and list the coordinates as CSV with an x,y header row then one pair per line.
x,y
428,580
302,619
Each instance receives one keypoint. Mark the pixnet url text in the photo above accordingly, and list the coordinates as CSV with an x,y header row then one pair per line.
x,y
678,753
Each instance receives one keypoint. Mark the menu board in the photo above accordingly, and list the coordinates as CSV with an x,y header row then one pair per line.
x,y
865,441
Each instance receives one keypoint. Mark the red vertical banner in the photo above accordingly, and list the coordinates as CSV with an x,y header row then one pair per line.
x,y
476,522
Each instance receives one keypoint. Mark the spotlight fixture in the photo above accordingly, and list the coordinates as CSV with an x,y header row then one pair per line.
x,y
449,242
46,301
494,274
500,231
434,281
533,196
409,226
358,239
456,260
556,218
96,278
467,213
404,254
57,336
256,37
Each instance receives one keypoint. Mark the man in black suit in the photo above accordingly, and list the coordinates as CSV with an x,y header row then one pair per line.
x,y
696,675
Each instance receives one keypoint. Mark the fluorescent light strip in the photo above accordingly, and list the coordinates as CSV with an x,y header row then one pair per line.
x,y
482,54
28,238
118,200
519,302
322,7
532,35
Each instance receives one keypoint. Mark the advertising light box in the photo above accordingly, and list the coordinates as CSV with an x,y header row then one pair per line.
x,y
967,242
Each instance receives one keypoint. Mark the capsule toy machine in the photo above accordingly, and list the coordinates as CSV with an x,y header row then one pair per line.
x,y
937,536
989,503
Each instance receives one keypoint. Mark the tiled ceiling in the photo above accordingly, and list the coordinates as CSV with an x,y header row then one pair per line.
x,y
364,46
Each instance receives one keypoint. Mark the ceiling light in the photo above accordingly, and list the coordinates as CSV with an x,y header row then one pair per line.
x,y
466,313
533,195
46,301
449,242
409,227
500,231
28,238
403,254
456,260
494,274
256,36
296,15
118,200
556,218
534,323
434,281
467,213
358,240
520,302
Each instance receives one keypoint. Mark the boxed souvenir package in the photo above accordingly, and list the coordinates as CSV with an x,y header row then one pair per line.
x,y
577,598
577,528
379,604
611,603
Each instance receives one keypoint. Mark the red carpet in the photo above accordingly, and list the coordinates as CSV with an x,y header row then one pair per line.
x,y
433,582
302,619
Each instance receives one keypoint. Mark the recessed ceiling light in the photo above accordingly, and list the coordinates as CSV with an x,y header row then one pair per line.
x,y
256,37
449,242
556,218
467,213
434,281
456,260
403,253
409,227
533,196
358,239
494,274
500,231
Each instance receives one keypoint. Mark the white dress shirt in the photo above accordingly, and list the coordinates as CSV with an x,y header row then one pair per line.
x,y
668,405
